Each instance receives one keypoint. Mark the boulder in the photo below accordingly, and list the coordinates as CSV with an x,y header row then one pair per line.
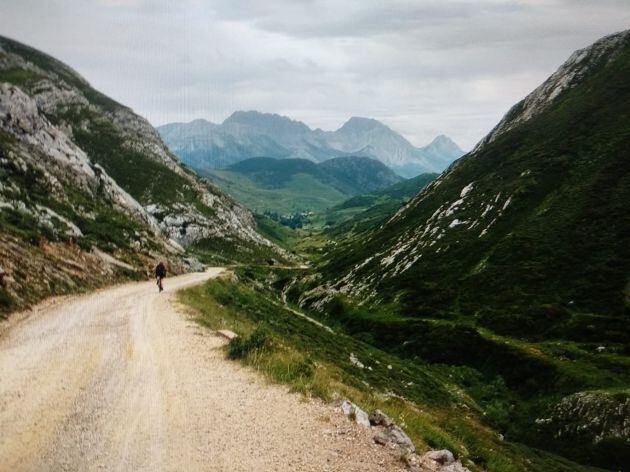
x,y
226,333
347,407
354,360
444,456
399,437
194,265
381,438
434,461
359,416
395,435
378,418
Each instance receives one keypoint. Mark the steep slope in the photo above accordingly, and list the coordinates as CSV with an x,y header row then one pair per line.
x,y
516,260
296,185
243,135
359,174
543,198
82,173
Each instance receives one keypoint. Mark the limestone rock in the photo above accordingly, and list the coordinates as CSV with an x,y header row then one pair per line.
x,y
226,333
590,416
455,467
354,360
395,435
434,461
351,410
444,456
361,417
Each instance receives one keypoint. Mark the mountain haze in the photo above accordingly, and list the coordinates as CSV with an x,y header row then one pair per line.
x,y
203,145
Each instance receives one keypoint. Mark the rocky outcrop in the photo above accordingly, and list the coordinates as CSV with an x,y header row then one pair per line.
x,y
355,413
46,108
570,74
47,149
590,416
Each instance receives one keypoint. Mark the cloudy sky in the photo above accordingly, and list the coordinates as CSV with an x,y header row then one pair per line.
x,y
423,67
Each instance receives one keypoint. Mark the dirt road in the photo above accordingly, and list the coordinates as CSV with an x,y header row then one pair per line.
x,y
119,380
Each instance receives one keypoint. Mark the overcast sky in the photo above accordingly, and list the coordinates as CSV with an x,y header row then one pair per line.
x,y
422,67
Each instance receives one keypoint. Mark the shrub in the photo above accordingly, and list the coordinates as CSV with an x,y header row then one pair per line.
x,y
6,300
240,347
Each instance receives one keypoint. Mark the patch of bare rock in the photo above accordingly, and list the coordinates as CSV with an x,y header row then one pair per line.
x,y
389,434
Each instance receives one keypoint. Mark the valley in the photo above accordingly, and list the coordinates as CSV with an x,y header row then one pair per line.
x,y
480,301
511,267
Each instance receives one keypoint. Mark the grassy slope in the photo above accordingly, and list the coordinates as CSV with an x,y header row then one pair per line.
x,y
301,192
364,212
296,185
42,248
533,299
351,216
440,406
565,236
283,236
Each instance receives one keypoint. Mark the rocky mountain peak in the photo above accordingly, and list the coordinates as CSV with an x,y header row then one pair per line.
x,y
444,144
358,124
247,134
267,123
569,75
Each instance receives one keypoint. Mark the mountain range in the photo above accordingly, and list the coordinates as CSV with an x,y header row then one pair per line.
x,y
245,134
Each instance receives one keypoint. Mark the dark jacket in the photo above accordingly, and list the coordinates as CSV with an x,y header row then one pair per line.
x,y
160,270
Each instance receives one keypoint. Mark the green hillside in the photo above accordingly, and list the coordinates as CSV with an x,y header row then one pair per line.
x,y
516,262
298,185
364,211
302,192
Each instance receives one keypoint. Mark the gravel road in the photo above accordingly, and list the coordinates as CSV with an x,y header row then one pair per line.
x,y
120,379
